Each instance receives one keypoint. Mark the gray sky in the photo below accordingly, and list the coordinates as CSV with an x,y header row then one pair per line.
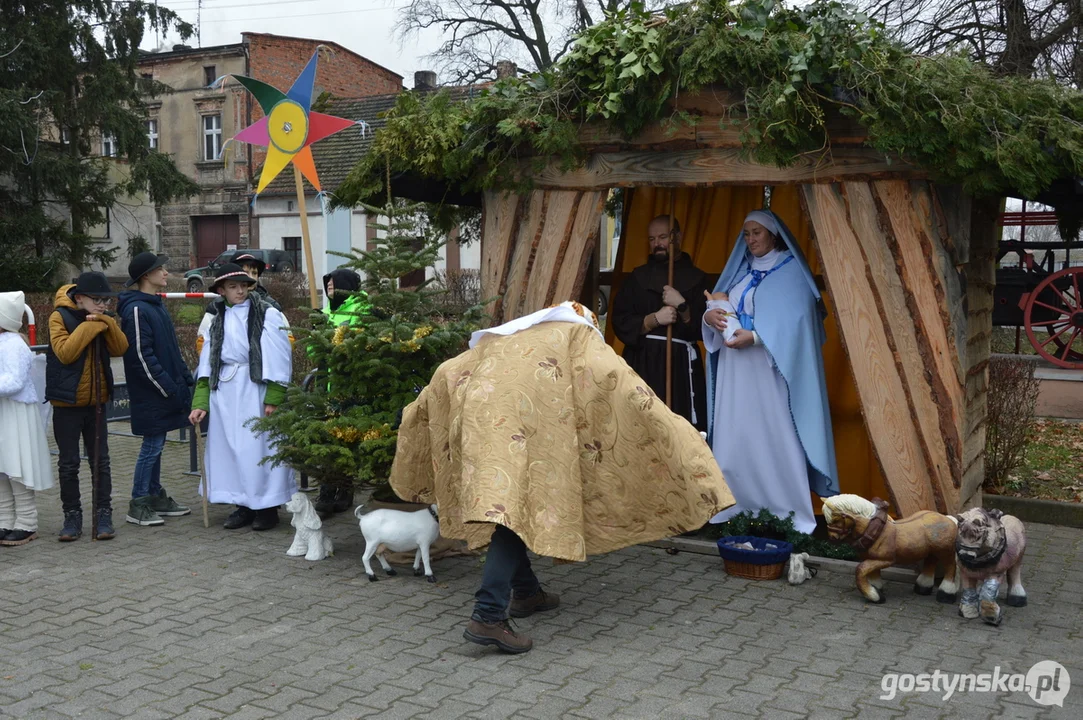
x,y
364,26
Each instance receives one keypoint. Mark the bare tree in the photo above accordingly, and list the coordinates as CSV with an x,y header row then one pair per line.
x,y
479,33
1014,37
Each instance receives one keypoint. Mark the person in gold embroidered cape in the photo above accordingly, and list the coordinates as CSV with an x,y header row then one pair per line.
x,y
541,437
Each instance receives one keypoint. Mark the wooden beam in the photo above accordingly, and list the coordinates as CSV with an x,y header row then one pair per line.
x,y
571,275
865,317
938,430
710,100
526,237
500,220
553,237
930,297
707,131
540,290
980,274
929,214
711,167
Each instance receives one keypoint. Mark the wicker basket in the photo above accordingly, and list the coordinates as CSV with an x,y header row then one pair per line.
x,y
762,563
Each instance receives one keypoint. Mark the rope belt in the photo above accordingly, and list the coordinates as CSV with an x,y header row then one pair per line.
x,y
692,357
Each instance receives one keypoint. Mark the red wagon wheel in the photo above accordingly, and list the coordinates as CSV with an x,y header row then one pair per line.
x,y
1056,307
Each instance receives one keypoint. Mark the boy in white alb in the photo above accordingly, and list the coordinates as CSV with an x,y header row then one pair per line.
x,y
243,370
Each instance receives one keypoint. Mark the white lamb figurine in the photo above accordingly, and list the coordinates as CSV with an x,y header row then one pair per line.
x,y
309,540
398,531
797,571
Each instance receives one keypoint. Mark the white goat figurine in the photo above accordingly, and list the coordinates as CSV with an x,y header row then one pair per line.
x,y
398,531
309,540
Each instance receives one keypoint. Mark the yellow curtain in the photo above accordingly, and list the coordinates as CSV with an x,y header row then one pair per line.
x,y
711,219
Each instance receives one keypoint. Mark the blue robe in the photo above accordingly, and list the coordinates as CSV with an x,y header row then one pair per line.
x,y
789,315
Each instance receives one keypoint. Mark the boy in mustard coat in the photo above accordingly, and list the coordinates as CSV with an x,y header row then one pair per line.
x,y
83,338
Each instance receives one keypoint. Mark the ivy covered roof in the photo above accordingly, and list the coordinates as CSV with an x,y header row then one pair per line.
x,y
791,69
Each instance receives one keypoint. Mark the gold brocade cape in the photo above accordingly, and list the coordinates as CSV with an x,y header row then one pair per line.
x,y
549,432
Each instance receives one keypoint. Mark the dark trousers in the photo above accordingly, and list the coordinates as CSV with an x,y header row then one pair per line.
x,y
507,568
69,424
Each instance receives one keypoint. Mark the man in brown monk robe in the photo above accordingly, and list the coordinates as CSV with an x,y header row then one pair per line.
x,y
646,305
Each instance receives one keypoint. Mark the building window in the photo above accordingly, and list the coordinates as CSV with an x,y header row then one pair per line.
x,y
152,134
65,136
292,246
212,136
106,227
209,75
289,206
109,144
147,76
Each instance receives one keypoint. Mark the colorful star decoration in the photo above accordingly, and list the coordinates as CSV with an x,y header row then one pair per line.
x,y
288,126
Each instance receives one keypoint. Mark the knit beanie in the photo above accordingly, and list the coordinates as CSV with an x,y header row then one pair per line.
x,y
12,305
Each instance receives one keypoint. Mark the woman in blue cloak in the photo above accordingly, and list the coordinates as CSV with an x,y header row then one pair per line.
x,y
769,423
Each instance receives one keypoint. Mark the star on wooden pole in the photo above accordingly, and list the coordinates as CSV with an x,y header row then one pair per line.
x,y
288,129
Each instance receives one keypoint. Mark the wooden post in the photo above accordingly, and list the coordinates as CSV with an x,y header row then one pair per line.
x,y
197,429
669,328
305,241
99,410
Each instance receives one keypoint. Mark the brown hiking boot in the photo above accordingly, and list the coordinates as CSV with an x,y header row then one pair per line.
x,y
499,634
538,602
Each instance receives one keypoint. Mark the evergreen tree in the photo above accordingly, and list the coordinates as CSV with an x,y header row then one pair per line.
x,y
68,72
342,429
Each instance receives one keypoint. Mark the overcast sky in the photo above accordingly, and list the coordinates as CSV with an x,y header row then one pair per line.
x,y
364,26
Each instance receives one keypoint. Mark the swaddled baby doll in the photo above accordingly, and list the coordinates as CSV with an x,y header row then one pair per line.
x,y
721,301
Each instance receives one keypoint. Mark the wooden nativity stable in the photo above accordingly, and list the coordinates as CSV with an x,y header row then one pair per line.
x,y
907,267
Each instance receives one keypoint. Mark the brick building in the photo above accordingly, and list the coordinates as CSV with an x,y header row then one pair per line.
x,y
196,120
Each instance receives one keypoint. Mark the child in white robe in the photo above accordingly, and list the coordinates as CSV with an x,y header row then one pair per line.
x,y
25,466
234,385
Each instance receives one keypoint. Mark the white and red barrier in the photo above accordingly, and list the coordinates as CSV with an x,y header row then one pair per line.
x,y
188,296
32,331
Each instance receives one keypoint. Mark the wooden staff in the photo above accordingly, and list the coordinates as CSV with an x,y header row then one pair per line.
x,y
669,328
95,465
198,430
306,242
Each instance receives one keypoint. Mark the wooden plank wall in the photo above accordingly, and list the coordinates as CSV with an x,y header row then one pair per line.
x,y
891,265
980,277
536,248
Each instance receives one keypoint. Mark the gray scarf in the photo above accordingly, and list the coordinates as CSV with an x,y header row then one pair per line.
x,y
256,312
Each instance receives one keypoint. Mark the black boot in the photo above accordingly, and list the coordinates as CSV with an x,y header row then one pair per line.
x,y
325,501
239,518
73,525
105,524
265,519
344,499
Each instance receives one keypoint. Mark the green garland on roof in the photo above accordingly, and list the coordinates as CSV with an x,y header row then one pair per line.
x,y
792,65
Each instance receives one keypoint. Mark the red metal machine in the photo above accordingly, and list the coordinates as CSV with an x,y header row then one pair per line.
x,y
1035,296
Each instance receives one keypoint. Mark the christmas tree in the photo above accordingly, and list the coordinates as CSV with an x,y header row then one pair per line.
x,y
341,427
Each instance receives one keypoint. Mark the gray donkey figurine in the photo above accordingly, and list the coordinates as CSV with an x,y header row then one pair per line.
x,y
988,546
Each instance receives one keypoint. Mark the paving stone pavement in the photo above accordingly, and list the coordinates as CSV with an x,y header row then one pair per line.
x,y
180,621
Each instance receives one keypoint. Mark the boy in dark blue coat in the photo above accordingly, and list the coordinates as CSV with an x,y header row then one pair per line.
x,y
159,385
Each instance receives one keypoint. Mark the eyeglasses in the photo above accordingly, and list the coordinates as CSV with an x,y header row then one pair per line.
x,y
99,300
660,238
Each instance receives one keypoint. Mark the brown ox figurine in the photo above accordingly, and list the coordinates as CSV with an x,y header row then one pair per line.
x,y
990,546
925,537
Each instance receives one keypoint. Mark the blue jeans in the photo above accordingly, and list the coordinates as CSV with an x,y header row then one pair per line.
x,y
507,568
148,467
